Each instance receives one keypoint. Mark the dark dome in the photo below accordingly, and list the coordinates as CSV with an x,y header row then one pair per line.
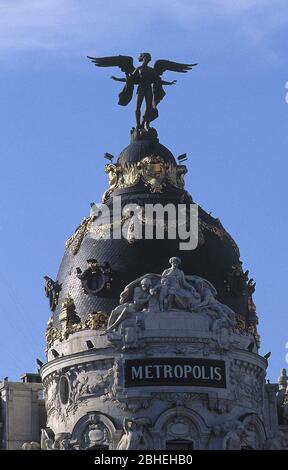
x,y
142,148
215,256
145,145
212,259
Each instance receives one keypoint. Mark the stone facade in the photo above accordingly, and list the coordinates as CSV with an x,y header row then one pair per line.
x,y
22,413
160,378
164,360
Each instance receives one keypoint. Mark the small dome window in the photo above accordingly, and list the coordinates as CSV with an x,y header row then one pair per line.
x,y
64,390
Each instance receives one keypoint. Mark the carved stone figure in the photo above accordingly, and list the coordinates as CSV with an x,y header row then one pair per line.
x,y
52,397
251,284
285,409
223,332
78,387
233,438
172,291
282,397
134,437
148,80
141,301
52,291
47,439
283,379
209,302
181,294
162,289
116,377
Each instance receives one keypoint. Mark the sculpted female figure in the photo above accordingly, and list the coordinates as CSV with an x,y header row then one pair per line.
x,y
133,437
215,308
181,294
140,302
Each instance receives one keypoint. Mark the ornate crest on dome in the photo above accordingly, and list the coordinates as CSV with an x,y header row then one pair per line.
x,y
96,277
153,171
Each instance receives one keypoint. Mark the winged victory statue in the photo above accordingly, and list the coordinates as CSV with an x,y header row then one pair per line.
x,y
148,80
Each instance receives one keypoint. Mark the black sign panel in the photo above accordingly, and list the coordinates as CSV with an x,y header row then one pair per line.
x,y
174,371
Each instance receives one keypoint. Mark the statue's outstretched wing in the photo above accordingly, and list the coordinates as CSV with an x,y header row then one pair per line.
x,y
124,62
162,65
127,294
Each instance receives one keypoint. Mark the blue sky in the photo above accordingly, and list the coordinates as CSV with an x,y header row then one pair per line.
x,y
59,115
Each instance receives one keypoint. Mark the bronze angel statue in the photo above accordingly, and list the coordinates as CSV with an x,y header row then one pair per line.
x,y
148,80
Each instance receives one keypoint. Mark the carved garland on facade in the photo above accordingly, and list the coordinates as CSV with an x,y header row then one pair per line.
x,y
247,379
79,384
75,241
219,231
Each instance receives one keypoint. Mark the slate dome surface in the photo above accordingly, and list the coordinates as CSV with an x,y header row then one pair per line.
x,y
213,258
139,149
142,146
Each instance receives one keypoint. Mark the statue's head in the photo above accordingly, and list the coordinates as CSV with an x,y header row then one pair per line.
x,y
145,283
175,261
144,57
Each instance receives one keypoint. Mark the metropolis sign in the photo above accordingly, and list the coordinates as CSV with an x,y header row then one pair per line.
x,y
174,371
